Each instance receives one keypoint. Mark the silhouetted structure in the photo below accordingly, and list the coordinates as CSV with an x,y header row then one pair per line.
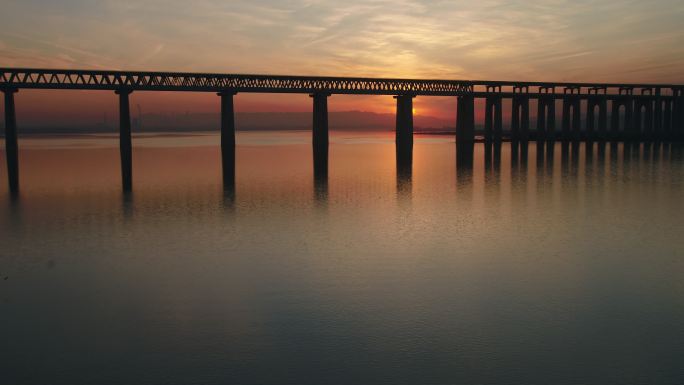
x,y
227,139
125,145
654,113
404,132
320,135
11,146
465,131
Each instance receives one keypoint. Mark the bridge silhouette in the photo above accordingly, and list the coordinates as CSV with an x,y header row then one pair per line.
x,y
638,112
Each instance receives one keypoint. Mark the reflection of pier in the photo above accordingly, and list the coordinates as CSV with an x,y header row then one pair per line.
x,y
610,112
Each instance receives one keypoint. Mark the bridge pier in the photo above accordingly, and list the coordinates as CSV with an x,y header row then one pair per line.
x,y
546,123
520,124
658,116
493,118
320,135
404,147
11,145
228,140
404,133
678,114
667,120
465,120
615,120
645,131
596,132
571,121
125,146
465,131
627,132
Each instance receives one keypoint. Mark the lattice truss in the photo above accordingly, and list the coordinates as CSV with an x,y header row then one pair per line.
x,y
166,81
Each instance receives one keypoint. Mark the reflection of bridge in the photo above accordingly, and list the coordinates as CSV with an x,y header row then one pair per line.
x,y
612,112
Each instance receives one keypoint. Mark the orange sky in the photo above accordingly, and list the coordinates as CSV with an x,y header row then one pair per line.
x,y
58,107
546,40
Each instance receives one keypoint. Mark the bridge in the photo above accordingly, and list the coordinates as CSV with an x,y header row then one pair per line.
x,y
611,112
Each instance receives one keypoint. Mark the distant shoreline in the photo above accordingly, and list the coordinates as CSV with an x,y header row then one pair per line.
x,y
479,137
114,134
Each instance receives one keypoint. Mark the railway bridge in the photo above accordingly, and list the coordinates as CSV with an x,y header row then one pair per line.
x,y
610,112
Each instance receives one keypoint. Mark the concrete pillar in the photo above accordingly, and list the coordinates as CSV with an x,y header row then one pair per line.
x,y
551,120
678,114
489,123
11,146
643,108
493,118
228,140
541,121
520,118
404,133
544,118
525,120
520,122
592,102
576,119
515,121
125,146
571,118
596,131
541,131
404,147
674,115
465,131
565,119
498,120
320,135
657,116
465,120
550,131
667,120
615,120
546,115
601,130
628,130
629,119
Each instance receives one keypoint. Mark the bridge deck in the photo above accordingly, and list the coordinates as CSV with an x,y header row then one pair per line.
x,y
199,82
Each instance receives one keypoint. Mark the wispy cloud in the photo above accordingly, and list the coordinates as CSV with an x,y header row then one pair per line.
x,y
523,39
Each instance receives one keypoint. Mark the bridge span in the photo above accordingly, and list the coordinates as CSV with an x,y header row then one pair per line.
x,y
601,112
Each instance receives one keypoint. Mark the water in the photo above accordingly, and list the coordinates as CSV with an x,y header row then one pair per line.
x,y
564,272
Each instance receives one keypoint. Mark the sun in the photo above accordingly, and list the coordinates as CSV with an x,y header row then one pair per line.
x,y
414,110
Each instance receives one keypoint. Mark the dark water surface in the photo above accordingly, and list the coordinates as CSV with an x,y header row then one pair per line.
x,y
565,272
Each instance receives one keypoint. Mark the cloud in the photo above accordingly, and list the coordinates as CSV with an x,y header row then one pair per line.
x,y
151,54
515,39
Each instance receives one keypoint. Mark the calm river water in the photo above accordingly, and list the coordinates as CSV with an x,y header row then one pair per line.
x,y
566,272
